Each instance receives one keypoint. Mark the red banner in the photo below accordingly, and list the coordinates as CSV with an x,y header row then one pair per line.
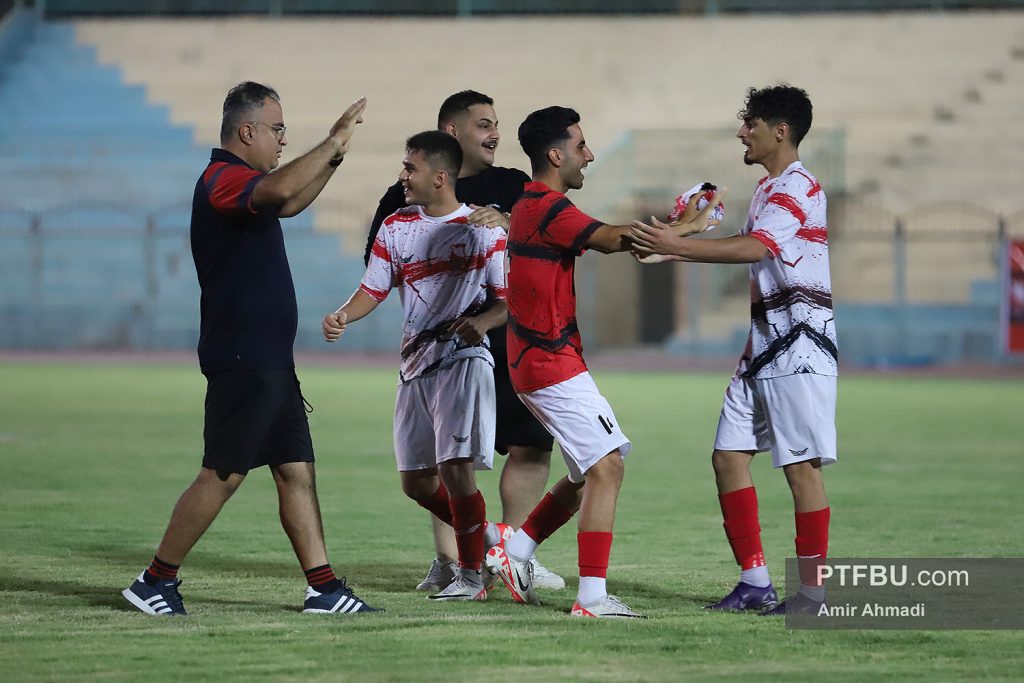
x,y
1015,298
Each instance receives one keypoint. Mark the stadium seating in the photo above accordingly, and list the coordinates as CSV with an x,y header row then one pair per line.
x,y
915,120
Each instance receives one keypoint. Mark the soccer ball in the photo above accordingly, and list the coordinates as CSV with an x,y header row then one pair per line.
x,y
707,192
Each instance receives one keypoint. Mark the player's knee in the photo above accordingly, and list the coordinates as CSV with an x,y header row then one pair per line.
x,y
295,474
609,470
420,486
727,463
804,475
226,483
529,456
416,491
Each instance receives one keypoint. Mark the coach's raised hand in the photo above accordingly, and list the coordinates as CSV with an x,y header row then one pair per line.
x,y
341,131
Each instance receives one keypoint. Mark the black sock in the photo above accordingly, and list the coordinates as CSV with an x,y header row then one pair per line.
x,y
160,571
322,579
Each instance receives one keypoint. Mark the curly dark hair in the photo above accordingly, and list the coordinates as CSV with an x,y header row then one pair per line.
x,y
544,129
780,104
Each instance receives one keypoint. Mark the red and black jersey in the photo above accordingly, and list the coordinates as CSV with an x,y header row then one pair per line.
x,y
548,232
248,313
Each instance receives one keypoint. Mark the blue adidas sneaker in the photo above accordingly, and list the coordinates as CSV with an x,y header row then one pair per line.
x,y
342,600
747,597
163,599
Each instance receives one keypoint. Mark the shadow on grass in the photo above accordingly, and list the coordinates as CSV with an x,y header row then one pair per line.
x,y
383,576
363,579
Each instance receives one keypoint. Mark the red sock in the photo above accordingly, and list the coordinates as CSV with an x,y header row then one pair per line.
x,y
739,510
594,548
160,571
812,543
468,516
439,504
547,518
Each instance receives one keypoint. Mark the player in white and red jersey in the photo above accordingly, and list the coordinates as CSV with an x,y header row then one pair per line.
x,y
450,276
783,395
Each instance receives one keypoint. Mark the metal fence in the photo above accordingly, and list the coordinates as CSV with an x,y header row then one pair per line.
x,y
104,276
919,287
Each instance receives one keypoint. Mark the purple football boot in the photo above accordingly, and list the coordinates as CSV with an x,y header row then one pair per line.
x,y
747,597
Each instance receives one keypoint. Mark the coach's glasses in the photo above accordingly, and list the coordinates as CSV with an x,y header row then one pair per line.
x,y
278,131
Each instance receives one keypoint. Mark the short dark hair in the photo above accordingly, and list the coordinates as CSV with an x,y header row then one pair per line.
x,y
441,150
780,104
544,129
458,103
240,103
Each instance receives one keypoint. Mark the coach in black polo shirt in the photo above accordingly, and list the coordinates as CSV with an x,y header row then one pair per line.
x,y
255,413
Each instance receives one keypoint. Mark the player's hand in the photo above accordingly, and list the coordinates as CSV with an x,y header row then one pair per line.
x,y
488,217
334,325
343,128
470,329
651,258
658,238
693,221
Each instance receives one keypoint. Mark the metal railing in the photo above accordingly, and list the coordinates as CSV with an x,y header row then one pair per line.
x,y
916,287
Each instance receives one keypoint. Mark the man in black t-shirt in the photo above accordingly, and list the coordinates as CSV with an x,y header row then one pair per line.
x,y
469,117
255,412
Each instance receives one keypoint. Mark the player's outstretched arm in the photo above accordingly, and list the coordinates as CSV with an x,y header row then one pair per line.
x,y
295,185
358,306
473,328
609,239
654,258
612,238
660,238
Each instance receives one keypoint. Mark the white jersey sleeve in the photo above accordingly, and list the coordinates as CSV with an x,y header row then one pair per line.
x,y
381,272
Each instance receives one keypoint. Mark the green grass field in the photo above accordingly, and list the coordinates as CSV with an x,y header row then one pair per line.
x,y
92,458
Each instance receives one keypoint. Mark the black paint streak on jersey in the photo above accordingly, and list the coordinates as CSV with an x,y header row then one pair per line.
x,y
780,344
534,339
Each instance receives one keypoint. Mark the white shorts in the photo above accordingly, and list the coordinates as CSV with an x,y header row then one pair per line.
x,y
580,419
793,416
446,415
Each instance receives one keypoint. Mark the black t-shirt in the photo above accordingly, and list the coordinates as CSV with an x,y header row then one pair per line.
x,y
248,313
494,186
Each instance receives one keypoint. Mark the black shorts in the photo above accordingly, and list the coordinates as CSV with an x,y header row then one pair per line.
x,y
515,424
254,418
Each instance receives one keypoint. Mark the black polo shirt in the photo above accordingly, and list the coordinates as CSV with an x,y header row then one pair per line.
x,y
248,313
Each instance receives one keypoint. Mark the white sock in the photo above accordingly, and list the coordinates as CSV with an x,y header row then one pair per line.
x,y
520,547
472,576
816,593
592,589
492,536
758,576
